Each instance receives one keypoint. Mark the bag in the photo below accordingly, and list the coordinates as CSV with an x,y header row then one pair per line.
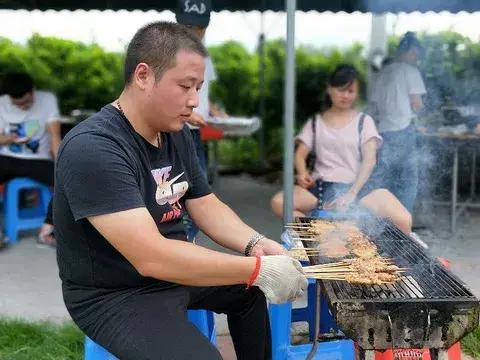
x,y
312,156
360,129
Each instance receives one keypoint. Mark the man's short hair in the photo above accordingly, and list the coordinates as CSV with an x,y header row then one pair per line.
x,y
407,42
157,45
17,84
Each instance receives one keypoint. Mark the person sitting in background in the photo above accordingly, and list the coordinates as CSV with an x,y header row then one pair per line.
x,y
29,137
345,143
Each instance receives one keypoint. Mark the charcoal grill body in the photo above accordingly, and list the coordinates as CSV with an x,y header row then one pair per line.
x,y
406,325
429,308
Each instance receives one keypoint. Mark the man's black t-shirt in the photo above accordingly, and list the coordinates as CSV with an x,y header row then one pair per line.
x,y
105,166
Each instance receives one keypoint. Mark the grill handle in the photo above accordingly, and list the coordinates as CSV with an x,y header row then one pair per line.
x,y
431,312
387,314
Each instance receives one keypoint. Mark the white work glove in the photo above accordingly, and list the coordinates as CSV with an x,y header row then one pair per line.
x,y
281,278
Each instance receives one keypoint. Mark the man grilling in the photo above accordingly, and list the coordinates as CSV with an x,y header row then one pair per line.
x,y
124,179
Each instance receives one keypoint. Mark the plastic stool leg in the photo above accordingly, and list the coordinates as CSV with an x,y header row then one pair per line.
x,y
11,211
94,351
312,308
204,321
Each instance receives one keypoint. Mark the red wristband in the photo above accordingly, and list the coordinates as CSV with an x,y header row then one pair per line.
x,y
255,272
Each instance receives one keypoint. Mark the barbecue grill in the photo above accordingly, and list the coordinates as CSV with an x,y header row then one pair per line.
x,y
428,308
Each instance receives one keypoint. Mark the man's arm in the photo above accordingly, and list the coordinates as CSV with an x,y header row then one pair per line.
x,y
53,128
281,278
7,139
177,261
215,110
223,226
197,120
416,102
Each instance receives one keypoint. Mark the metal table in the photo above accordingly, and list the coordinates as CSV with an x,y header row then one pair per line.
x,y
454,143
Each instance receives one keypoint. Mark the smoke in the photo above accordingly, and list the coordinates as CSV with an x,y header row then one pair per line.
x,y
452,105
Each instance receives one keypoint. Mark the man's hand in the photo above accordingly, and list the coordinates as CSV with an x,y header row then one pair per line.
x,y
197,120
8,139
216,111
305,180
268,247
22,140
281,278
476,130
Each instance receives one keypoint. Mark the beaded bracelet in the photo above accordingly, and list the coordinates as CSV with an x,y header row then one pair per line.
x,y
252,242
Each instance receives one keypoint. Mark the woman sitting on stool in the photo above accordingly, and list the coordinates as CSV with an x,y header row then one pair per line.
x,y
345,144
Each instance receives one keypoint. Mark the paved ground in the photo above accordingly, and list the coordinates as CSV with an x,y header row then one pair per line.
x,y
31,288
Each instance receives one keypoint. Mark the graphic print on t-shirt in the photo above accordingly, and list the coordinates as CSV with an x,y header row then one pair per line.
x,y
24,130
169,191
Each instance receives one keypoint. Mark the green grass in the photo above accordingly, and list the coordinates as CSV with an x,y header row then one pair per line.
x,y
21,340
471,343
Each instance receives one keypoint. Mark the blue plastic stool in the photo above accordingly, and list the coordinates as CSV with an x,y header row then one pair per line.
x,y
204,320
17,219
308,313
281,316
282,349
93,351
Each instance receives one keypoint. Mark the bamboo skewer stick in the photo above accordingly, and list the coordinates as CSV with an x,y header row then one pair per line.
x,y
378,271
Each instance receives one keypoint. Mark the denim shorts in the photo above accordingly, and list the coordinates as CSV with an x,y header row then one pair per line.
x,y
327,191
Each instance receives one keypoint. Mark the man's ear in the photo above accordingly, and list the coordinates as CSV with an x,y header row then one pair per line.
x,y
142,76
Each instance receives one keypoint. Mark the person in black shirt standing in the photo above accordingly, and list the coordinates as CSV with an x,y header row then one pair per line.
x,y
124,179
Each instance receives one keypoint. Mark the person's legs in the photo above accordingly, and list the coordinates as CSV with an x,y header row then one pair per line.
x,y
246,313
200,149
407,170
43,171
303,202
151,325
384,204
39,170
398,165
191,228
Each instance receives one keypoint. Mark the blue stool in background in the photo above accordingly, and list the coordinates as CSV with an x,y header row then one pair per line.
x,y
16,218
203,319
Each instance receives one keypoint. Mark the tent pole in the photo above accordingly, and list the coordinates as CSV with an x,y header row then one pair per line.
x,y
378,45
289,113
261,76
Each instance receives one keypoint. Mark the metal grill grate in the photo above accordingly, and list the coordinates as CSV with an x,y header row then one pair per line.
x,y
425,280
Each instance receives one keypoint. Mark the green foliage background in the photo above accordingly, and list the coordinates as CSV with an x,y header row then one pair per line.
x,y
87,77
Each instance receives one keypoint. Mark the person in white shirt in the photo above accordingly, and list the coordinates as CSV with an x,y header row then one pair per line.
x,y
29,137
395,100
195,14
